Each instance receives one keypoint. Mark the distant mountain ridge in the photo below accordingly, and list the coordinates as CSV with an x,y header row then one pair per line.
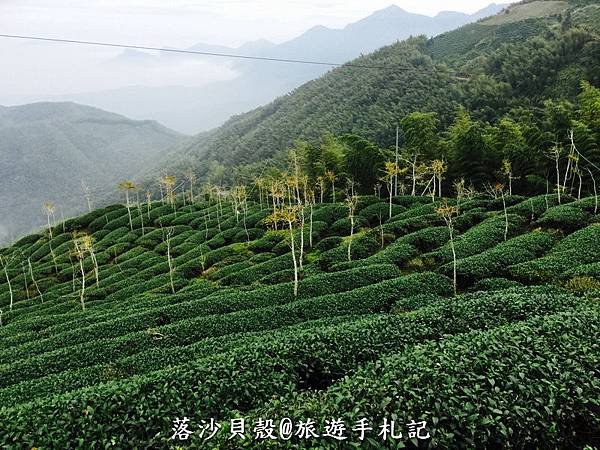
x,y
48,149
194,109
505,61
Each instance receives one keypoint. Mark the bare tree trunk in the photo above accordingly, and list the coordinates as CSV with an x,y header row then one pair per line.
x,y
53,257
73,273
414,176
595,191
390,203
454,276
310,228
49,227
25,279
33,279
302,226
168,240
426,187
567,174
505,216
333,190
82,292
352,231
294,259
245,225
128,210
381,230
5,266
558,185
141,213
148,206
396,174
96,270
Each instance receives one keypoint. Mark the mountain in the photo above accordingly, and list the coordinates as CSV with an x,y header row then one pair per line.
x,y
48,149
194,109
533,54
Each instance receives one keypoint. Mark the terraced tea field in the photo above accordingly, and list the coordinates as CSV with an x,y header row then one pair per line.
x,y
190,311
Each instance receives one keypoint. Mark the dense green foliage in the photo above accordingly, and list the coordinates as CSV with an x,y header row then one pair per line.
x,y
322,288
144,352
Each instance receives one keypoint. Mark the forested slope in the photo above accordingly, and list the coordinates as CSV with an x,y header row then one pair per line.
x,y
47,150
490,69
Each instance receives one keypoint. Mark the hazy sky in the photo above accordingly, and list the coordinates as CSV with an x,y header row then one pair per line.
x,y
43,68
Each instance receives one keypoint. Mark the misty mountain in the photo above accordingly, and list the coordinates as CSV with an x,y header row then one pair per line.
x,y
48,149
506,55
194,109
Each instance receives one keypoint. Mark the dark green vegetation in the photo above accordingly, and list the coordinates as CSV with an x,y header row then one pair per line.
x,y
192,109
194,314
311,286
48,149
512,79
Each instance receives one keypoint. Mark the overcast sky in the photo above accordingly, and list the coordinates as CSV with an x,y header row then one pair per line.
x,y
44,68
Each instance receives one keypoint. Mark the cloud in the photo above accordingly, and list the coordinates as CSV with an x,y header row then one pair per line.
x,y
177,23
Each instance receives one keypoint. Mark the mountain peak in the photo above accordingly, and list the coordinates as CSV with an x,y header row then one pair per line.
x,y
392,9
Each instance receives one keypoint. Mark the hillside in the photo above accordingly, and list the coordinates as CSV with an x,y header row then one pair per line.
x,y
506,67
193,109
48,149
193,314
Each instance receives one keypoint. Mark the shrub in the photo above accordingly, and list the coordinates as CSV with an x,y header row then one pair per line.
x,y
494,284
587,204
479,238
534,207
478,389
329,213
584,270
341,227
267,242
363,245
381,210
252,274
252,234
409,225
271,369
495,261
583,285
281,276
102,220
565,217
397,253
27,241
578,248
409,201
328,243
214,316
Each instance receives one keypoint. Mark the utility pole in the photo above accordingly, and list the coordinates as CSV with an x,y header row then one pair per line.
x,y
396,176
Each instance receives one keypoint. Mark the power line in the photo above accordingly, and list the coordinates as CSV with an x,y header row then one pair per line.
x,y
197,52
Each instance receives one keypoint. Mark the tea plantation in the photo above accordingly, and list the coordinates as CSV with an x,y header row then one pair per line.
x,y
116,323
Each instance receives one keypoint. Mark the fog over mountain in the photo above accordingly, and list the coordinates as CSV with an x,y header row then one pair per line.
x,y
48,149
247,84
